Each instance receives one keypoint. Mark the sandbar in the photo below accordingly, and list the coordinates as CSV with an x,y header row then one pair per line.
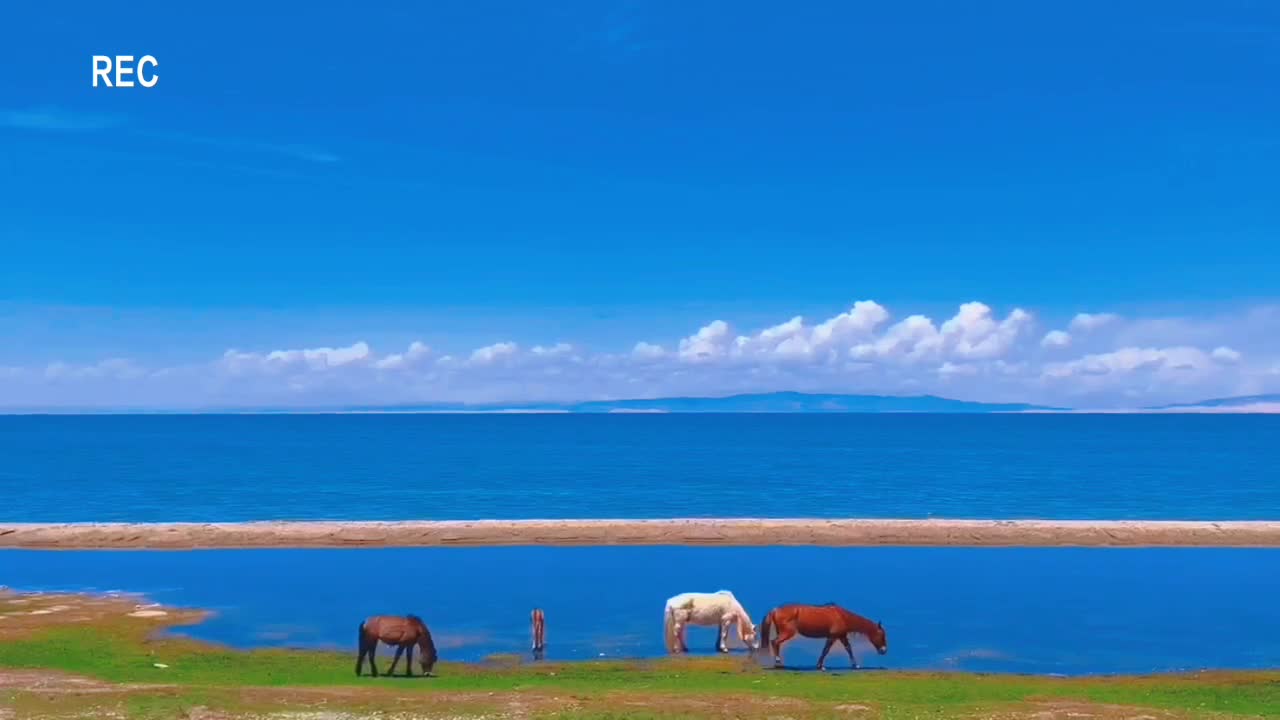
x,y
741,532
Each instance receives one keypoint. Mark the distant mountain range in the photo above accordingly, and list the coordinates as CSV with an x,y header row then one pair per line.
x,y
798,402
774,402
1242,401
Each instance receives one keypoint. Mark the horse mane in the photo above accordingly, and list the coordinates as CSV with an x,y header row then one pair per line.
x,y
425,641
856,618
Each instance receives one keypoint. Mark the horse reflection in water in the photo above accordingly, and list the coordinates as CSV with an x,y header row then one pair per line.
x,y
830,622
404,633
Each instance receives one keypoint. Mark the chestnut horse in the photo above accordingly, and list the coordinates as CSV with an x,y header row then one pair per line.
x,y
403,633
539,622
829,621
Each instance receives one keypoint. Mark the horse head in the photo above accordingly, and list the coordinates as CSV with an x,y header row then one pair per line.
x,y
879,639
748,631
427,655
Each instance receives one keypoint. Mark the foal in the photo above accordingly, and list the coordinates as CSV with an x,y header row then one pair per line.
x,y
402,632
539,623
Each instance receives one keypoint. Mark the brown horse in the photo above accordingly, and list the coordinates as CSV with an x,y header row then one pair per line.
x,y
829,621
403,633
539,622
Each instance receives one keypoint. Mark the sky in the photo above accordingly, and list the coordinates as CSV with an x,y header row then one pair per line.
x,y
1065,203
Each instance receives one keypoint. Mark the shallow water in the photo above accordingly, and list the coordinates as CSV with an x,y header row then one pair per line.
x,y
1039,610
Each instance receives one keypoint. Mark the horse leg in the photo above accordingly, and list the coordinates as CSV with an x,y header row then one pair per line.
x,y
844,640
396,659
722,640
373,656
682,636
408,662
785,633
360,657
822,659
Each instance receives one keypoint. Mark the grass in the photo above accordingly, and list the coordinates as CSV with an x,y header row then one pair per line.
x,y
123,651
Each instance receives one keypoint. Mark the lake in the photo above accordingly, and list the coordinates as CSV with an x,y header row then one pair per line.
x,y
1030,610
394,467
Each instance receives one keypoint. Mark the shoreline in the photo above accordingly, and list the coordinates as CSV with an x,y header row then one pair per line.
x,y
66,657
729,532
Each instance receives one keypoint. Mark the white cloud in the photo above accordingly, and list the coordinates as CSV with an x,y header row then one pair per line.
x,y
1132,359
855,324
911,339
1225,354
493,353
322,358
648,351
557,350
975,353
974,333
950,369
1056,339
416,353
1085,322
711,341
114,368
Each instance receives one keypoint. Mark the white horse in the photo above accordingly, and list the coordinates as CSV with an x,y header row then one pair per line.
x,y
719,608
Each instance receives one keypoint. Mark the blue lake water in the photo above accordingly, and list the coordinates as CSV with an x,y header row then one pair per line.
x,y
1034,610
210,468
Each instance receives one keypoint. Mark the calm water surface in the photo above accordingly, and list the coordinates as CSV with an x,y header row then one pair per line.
x,y
210,468
1037,610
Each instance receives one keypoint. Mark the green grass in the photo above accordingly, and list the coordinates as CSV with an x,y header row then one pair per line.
x,y
119,652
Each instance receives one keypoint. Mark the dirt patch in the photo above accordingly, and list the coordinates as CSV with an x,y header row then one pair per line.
x,y
1078,710
52,683
24,613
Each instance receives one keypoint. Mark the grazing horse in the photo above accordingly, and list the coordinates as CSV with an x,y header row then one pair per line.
x,y
719,608
539,622
402,632
829,621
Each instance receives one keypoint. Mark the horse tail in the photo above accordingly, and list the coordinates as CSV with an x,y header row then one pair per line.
x,y
360,637
669,627
766,626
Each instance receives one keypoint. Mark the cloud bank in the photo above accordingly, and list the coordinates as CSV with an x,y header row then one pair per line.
x,y
1092,360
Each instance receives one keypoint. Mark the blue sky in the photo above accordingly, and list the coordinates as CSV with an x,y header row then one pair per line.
x,y
601,174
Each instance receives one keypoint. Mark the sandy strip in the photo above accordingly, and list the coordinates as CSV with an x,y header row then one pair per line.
x,y
729,532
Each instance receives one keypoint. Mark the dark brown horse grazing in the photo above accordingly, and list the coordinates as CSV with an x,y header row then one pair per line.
x,y
403,633
539,622
828,621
